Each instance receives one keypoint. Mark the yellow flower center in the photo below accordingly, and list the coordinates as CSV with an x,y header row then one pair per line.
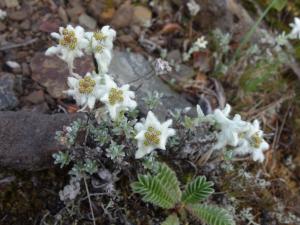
x,y
152,136
256,140
99,48
69,39
115,96
86,85
99,36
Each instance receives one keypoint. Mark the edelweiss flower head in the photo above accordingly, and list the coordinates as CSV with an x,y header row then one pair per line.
x,y
252,142
118,99
198,45
71,44
152,134
87,90
193,7
101,44
228,129
295,33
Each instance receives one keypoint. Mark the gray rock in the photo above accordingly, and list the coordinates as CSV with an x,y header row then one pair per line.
x,y
127,68
87,21
27,138
134,69
8,98
52,73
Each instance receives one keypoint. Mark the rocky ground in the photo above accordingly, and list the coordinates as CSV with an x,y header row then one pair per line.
x,y
32,85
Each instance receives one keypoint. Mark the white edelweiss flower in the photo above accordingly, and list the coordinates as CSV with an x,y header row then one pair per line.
x,y
198,45
3,14
101,44
193,7
118,99
87,90
229,130
71,44
152,134
295,33
252,142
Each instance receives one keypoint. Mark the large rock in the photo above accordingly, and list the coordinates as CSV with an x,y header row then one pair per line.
x,y
134,69
52,73
8,98
127,68
27,138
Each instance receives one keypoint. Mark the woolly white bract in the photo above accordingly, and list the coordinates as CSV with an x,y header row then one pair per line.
x,y
118,100
252,142
243,137
101,44
87,90
71,44
228,129
152,134
295,33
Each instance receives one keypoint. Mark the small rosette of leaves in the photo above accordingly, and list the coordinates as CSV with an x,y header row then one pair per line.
x,y
61,158
197,190
162,189
211,215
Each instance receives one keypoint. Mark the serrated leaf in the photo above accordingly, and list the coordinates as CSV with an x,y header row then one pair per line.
x,y
197,190
161,189
169,179
210,215
171,220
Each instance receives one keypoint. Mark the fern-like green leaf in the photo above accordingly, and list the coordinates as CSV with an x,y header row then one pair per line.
x,y
210,214
168,178
171,220
197,190
161,189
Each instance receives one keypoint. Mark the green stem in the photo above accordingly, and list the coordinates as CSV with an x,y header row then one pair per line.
x,y
251,32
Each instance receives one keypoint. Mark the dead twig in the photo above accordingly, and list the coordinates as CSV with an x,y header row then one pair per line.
x,y
7,47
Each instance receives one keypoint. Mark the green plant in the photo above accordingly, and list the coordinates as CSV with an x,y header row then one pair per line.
x,y
163,190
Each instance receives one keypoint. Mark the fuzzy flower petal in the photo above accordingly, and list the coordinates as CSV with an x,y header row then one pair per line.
x,y
152,134
71,44
117,99
295,33
86,90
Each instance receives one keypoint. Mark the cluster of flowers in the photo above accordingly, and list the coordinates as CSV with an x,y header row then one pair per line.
x,y
73,43
242,137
